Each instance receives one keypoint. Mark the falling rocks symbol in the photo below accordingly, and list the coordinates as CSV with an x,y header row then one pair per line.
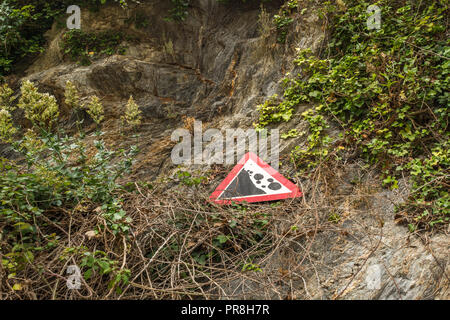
x,y
253,180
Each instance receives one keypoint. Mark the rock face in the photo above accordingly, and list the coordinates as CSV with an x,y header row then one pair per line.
x,y
214,67
217,67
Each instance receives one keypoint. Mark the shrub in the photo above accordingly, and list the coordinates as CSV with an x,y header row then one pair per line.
x,y
6,127
40,108
132,114
72,98
6,98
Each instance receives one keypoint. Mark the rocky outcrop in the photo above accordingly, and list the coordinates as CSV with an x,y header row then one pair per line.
x,y
214,67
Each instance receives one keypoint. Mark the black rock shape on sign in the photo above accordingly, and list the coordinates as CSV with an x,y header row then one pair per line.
x,y
241,186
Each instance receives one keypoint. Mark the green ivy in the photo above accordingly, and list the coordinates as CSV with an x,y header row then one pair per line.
x,y
388,90
274,111
54,177
283,20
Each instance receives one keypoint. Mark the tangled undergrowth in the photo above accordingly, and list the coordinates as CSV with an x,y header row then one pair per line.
x,y
62,207
387,90
175,246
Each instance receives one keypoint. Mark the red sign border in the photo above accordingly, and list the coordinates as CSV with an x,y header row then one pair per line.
x,y
295,191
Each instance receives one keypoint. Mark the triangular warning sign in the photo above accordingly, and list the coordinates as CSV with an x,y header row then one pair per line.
x,y
253,180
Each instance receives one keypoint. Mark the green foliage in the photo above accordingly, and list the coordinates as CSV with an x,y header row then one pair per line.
x,y
274,111
95,109
430,200
187,179
7,129
388,90
334,217
98,263
58,176
16,23
133,116
24,22
40,108
178,12
6,98
284,19
248,267
83,47
282,23
72,98
291,134
317,143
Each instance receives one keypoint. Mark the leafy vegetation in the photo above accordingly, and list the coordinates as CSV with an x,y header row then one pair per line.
x,y
62,201
60,175
98,262
24,22
83,47
284,19
179,10
59,179
133,116
388,90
